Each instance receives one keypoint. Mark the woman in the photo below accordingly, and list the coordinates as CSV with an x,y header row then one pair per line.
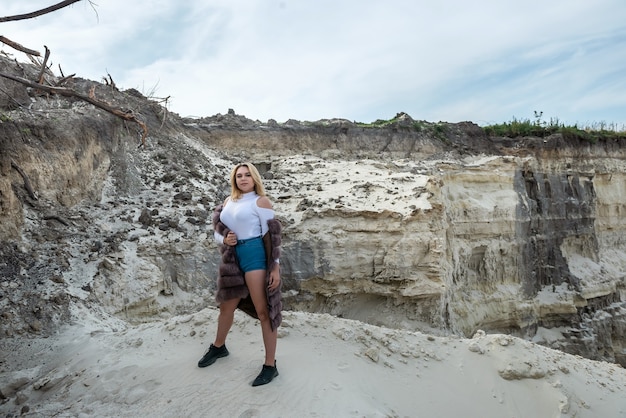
x,y
249,274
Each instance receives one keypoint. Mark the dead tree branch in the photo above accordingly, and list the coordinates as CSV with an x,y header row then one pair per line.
x,y
27,185
19,47
62,91
62,81
64,77
39,12
164,100
43,65
109,81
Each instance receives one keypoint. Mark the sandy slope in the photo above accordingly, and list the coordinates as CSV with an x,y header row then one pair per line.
x,y
329,367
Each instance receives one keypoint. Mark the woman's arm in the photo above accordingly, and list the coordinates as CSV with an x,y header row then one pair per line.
x,y
219,238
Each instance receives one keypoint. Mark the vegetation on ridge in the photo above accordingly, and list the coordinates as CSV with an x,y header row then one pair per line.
x,y
540,128
405,122
516,128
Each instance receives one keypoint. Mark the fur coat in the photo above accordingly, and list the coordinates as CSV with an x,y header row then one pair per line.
x,y
230,279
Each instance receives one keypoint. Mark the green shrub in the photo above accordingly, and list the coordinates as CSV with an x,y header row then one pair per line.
x,y
540,128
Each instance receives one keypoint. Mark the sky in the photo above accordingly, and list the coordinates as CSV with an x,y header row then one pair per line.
x,y
484,61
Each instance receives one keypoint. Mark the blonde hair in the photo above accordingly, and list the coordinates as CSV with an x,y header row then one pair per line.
x,y
235,193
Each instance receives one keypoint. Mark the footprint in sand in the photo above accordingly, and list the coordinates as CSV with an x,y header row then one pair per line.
x,y
250,413
343,366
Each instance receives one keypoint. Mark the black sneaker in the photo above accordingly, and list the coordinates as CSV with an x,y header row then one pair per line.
x,y
267,374
212,354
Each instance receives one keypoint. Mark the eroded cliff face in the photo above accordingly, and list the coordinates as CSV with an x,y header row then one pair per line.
x,y
547,259
423,226
413,230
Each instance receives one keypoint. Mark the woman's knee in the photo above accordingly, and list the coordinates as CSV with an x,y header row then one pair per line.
x,y
228,307
263,314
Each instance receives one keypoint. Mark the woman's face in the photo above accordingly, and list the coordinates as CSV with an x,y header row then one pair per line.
x,y
243,179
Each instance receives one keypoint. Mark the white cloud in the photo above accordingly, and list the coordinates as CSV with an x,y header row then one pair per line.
x,y
448,60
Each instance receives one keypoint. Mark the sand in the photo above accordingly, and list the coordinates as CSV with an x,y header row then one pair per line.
x,y
329,367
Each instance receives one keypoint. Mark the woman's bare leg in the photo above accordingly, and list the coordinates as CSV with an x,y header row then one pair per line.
x,y
225,321
256,285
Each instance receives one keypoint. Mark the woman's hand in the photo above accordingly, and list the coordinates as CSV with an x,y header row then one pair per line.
x,y
274,280
230,239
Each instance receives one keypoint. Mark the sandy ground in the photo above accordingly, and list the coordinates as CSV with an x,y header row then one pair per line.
x,y
329,367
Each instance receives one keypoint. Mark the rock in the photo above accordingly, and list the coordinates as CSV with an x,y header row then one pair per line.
x,y
183,196
8,390
145,218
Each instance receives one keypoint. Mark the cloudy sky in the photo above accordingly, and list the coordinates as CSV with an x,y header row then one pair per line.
x,y
486,61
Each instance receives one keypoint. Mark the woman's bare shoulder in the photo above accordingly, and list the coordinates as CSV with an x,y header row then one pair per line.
x,y
264,202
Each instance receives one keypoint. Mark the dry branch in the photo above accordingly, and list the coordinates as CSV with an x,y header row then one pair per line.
x,y
27,185
43,65
126,115
64,79
19,47
39,12
109,81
